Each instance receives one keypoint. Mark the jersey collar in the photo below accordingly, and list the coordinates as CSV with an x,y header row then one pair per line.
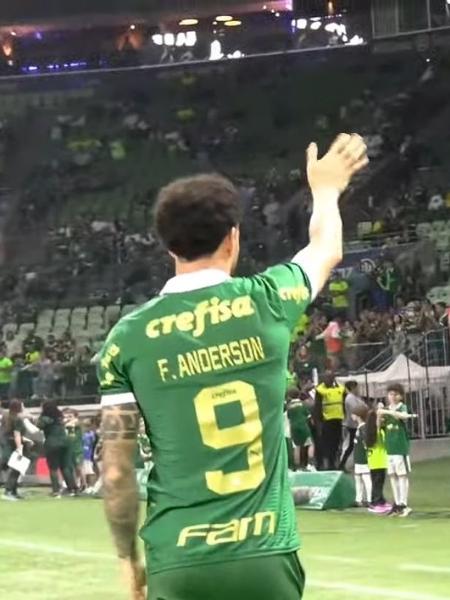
x,y
188,282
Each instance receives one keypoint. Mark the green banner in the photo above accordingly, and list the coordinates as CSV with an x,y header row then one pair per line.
x,y
323,490
142,478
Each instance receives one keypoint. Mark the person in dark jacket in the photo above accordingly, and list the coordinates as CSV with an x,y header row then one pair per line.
x,y
57,447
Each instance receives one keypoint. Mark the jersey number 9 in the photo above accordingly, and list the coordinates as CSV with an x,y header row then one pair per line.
x,y
246,434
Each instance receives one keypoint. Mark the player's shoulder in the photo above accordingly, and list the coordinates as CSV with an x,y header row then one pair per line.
x,y
288,280
126,328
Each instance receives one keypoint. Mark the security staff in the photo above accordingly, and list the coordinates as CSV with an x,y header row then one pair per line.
x,y
329,409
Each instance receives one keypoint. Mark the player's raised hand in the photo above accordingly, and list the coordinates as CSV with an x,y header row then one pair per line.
x,y
134,575
346,156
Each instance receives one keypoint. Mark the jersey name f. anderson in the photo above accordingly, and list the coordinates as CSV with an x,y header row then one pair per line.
x,y
207,369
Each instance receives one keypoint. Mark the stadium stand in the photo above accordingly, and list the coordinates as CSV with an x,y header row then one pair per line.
x,y
82,183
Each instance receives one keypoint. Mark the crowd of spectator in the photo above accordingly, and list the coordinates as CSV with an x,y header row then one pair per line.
x,y
38,369
86,207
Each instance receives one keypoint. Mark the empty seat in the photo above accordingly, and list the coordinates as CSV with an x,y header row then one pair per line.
x,y
364,228
9,327
26,328
112,313
78,315
128,308
62,314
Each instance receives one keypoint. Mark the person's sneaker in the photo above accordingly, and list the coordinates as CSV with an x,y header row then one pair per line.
x,y
19,496
380,509
311,468
405,511
56,495
395,510
10,497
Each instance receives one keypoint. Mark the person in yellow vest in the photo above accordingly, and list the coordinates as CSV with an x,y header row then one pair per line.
x,y
339,289
329,409
6,366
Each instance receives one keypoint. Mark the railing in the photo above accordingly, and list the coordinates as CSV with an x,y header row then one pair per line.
x,y
430,401
70,384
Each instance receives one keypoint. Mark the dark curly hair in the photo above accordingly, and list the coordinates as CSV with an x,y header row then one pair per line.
x,y
194,214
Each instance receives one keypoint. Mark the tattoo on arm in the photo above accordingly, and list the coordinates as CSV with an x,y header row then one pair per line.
x,y
119,429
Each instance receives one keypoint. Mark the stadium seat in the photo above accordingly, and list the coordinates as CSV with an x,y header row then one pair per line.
x,y
128,308
62,314
42,332
444,261
364,228
45,317
112,313
78,321
82,339
25,328
9,327
78,315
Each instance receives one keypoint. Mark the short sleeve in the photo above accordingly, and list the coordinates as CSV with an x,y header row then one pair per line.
x,y
293,289
19,426
115,387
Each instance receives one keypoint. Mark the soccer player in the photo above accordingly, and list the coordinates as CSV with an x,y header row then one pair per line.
x,y
205,365
397,444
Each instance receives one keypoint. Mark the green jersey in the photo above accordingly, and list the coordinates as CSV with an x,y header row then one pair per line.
x,y
54,432
360,452
206,363
397,437
75,438
299,414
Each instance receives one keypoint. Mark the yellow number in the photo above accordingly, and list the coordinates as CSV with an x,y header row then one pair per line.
x,y
247,433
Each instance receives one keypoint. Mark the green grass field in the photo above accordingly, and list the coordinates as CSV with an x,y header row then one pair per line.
x,y
60,550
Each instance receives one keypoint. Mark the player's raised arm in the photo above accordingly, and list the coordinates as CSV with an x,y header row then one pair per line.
x,y
119,430
328,179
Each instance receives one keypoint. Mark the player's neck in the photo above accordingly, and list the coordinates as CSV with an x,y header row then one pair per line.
x,y
181,268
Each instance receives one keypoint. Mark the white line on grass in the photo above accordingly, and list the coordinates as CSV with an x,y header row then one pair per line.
x,y
336,559
425,568
327,585
365,590
53,549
